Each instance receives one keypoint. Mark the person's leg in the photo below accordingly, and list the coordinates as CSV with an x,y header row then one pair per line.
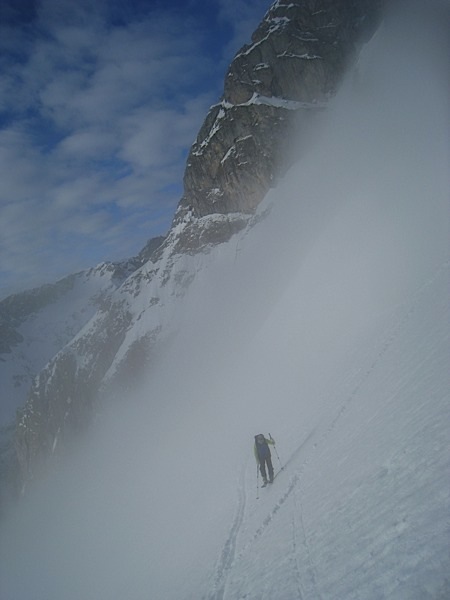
x,y
270,468
262,468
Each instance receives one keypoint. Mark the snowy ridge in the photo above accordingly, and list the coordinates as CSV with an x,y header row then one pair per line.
x,y
211,134
46,326
153,294
255,100
274,101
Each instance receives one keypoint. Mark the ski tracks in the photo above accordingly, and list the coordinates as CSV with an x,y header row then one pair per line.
x,y
293,482
319,435
306,577
228,553
305,574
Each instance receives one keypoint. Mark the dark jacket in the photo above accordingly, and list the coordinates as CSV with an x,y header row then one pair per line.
x,y
261,449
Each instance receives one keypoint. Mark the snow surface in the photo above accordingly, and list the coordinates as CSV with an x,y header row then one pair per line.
x,y
325,325
46,331
360,509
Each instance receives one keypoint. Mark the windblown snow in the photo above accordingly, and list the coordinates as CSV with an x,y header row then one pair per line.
x,y
325,325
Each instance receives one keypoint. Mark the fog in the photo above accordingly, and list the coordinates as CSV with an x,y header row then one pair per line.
x,y
142,508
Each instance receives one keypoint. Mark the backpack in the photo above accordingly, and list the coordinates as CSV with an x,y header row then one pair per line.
x,y
262,450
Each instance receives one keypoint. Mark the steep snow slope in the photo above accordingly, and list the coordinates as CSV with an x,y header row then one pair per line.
x,y
360,509
327,325
41,321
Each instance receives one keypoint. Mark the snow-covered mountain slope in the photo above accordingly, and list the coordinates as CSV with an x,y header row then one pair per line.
x,y
360,506
325,325
360,509
36,324
275,85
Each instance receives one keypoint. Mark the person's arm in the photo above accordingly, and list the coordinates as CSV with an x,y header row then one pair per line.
x,y
255,451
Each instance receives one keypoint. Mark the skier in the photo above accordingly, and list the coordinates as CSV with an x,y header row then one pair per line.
x,y
263,456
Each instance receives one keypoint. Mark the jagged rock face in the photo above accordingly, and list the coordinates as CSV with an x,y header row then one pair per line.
x,y
197,235
234,160
147,251
300,50
296,60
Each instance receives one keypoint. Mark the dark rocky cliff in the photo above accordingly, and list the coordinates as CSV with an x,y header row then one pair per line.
x,y
297,57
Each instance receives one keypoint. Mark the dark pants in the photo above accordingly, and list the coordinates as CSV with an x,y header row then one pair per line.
x,y
262,468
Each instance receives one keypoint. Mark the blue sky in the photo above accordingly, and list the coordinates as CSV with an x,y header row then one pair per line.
x,y
100,101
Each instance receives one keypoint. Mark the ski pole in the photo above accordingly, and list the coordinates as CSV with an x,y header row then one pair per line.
x,y
257,482
276,451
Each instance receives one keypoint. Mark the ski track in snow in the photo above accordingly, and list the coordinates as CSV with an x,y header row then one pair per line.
x,y
227,556
309,575
298,526
319,436
305,573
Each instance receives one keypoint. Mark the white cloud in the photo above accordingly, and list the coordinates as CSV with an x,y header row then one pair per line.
x,y
96,118
99,116
155,138
89,143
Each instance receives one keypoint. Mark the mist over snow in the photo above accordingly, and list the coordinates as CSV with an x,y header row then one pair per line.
x,y
326,325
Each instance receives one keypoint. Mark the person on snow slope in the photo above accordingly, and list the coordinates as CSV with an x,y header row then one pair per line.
x,y
263,456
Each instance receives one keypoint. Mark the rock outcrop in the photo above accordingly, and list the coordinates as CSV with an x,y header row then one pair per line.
x,y
297,58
